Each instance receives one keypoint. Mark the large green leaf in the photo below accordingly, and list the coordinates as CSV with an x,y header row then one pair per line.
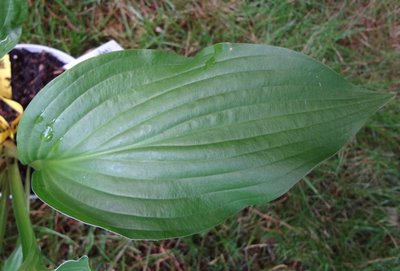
x,y
152,145
12,14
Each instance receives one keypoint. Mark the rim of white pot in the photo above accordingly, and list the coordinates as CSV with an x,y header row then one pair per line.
x,y
37,48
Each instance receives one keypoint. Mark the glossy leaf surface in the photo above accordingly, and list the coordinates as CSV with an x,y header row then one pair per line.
x,y
152,145
12,14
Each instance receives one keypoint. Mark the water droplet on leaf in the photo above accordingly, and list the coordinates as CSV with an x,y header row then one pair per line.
x,y
52,122
217,50
39,119
47,134
210,62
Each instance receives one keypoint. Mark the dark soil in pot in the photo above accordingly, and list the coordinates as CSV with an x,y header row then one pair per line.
x,y
30,72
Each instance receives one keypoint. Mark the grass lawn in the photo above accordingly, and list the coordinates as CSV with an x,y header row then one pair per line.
x,y
345,215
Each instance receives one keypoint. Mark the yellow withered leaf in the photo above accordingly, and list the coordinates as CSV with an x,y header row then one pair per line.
x,y
4,129
5,77
8,129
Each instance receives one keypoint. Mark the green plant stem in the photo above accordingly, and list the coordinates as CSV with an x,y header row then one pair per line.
x,y
31,254
32,257
19,205
5,193
28,186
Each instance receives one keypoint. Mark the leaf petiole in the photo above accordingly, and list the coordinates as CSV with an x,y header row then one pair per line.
x,y
32,258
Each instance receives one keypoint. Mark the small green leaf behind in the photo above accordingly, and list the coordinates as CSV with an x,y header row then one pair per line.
x,y
12,14
153,145
14,262
79,265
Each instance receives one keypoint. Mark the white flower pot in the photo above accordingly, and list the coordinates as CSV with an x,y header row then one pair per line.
x,y
35,48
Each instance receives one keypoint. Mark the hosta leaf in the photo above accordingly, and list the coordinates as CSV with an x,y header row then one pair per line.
x,y
12,14
152,145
